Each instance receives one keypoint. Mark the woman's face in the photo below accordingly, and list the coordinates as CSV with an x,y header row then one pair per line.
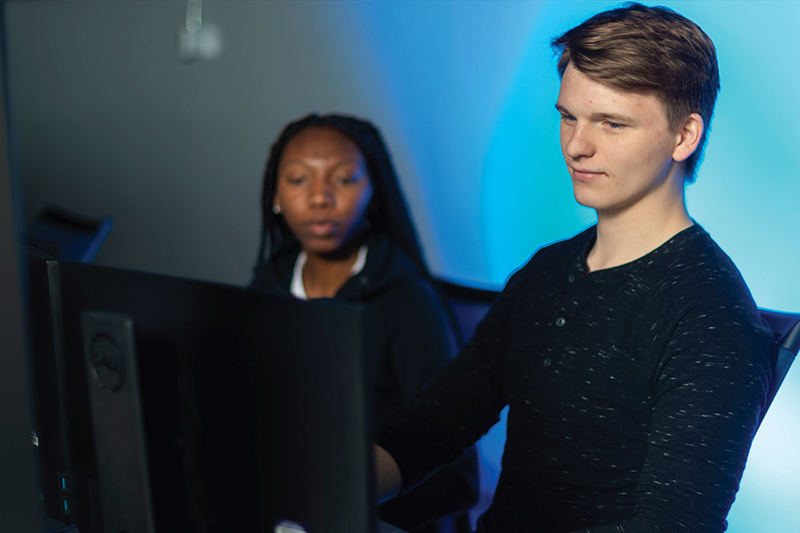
x,y
323,189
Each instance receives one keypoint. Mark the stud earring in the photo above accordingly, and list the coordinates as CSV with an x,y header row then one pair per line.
x,y
276,209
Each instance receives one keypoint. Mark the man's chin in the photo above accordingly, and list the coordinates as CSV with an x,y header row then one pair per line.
x,y
585,200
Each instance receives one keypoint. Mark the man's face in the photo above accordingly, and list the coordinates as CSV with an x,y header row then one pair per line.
x,y
618,147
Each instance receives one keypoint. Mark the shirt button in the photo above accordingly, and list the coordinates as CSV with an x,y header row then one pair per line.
x,y
546,361
571,278
560,321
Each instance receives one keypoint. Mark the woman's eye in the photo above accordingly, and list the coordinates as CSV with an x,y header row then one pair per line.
x,y
295,180
348,178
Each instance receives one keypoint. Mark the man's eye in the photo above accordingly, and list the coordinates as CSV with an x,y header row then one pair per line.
x,y
567,118
615,126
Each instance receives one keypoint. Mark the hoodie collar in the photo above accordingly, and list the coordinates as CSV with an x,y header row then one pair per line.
x,y
298,288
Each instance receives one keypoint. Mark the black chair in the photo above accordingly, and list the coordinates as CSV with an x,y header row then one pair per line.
x,y
469,304
787,337
63,234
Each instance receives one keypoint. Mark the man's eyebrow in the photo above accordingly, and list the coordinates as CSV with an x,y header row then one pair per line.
x,y
613,117
599,117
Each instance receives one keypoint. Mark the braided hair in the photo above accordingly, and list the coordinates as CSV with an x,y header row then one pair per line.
x,y
387,213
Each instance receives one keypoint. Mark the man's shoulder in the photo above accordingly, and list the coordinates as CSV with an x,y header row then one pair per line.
x,y
562,252
697,267
550,263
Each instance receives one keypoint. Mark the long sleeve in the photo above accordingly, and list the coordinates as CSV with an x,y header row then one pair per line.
x,y
461,404
708,394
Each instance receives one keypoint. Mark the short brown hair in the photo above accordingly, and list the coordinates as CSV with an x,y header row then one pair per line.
x,y
650,50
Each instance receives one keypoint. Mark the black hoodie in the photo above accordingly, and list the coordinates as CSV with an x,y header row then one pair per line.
x,y
413,334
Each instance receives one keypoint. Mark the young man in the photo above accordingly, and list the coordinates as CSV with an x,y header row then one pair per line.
x,y
632,356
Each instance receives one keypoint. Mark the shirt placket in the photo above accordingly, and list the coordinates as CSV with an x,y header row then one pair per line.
x,y
579,289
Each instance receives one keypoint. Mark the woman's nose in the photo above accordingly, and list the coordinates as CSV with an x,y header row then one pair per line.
x,y
321,194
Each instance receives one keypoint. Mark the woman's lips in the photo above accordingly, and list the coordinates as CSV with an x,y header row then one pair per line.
x,y
322,228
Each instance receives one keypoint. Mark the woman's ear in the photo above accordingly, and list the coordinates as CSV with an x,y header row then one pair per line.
x,y
689,135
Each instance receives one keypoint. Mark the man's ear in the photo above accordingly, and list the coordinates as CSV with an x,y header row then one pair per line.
x,y
689,135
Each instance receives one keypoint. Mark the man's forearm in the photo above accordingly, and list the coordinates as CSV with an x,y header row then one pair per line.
x,y
388,480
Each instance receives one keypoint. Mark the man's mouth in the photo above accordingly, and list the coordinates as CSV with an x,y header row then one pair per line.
x,y
586,175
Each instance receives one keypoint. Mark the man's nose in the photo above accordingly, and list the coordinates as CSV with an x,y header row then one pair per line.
x,y
580,143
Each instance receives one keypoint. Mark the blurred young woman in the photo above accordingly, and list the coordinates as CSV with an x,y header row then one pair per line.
x,y
336,225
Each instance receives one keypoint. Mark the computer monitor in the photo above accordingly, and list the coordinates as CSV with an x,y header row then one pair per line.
x,y
195,406
48,434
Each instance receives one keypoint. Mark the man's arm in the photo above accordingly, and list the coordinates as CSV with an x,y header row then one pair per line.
x,y
460,404
387,475
707,401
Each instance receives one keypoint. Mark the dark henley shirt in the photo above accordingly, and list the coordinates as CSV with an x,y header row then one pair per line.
x,y
633,392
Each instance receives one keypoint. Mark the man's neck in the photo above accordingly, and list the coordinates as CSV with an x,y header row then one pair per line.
x,y
626,236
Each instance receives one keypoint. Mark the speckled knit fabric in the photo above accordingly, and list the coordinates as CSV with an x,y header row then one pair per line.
x,y
634,392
